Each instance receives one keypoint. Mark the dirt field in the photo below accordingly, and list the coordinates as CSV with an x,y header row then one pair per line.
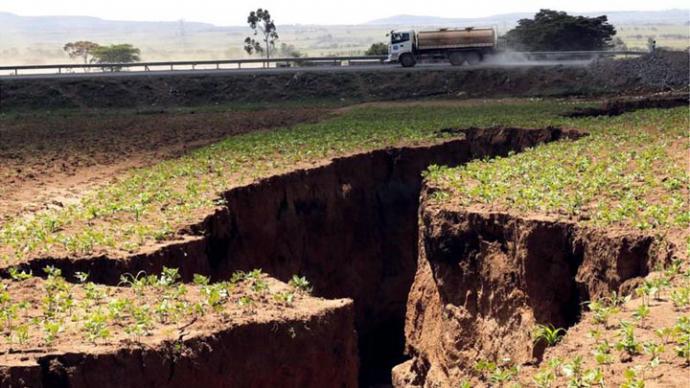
x,y
49,159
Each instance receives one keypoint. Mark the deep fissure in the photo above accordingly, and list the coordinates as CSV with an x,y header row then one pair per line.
x,y
350,227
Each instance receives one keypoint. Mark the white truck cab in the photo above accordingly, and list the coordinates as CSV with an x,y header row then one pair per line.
x,y
401,43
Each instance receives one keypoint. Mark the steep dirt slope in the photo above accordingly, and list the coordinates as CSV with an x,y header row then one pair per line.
x,y
484,280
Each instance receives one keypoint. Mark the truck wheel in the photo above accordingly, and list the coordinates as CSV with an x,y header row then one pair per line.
x,y
473,58
408,60
456,59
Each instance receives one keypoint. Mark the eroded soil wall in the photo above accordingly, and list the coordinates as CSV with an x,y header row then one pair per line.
x,y
484,280
318,351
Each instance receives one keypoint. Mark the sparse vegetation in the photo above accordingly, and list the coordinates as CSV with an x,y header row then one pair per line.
x,y
619,175
141,305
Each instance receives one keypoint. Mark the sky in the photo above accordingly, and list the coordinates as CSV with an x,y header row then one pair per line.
x,y
234,12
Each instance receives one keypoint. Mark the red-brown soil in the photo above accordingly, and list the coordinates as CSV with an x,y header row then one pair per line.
x,y
51,159
310,343
485,279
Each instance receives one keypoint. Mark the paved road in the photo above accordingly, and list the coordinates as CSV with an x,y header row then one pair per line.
x,y
323,69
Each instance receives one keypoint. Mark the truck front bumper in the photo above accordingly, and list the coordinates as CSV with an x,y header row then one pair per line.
x,y
392,58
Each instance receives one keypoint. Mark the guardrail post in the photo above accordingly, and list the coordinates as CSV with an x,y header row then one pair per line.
x,y
217,66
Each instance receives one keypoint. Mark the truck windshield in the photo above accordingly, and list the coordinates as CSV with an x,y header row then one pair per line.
x,y
399,37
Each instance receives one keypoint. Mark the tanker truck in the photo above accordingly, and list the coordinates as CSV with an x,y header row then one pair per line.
x,y
458,46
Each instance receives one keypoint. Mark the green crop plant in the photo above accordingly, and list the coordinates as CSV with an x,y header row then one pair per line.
x,y
117,308
200,280
544,378
169,277
502,375
20,334
602,353
215,295
137,282
82,277
601,312
647,290
18,275
8,309
627,341
579,377
682,338
96,326
51,329
284,297
641,313
616,299
632,380
300,283
245,301
654,350
681,298
547,334
464,384
665,334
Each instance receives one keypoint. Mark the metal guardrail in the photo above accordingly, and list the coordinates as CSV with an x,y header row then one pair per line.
x,y
277,62
171,65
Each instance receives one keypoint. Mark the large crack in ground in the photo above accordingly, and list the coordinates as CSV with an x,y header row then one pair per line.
x,y
349,226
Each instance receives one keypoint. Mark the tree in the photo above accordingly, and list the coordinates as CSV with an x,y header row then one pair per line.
x,y
557,31
260,21
377,49
82,48
116,53
289,51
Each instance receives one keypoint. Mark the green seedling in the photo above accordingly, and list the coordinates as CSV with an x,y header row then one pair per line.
x,y
96,327
300,283
284,297
18,275
548,334
641,313
632,380
627,341
680,298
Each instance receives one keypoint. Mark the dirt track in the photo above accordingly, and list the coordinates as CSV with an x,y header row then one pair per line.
x,y
53,157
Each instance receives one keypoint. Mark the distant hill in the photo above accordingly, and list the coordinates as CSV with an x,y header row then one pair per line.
x,y
42,24
673,16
